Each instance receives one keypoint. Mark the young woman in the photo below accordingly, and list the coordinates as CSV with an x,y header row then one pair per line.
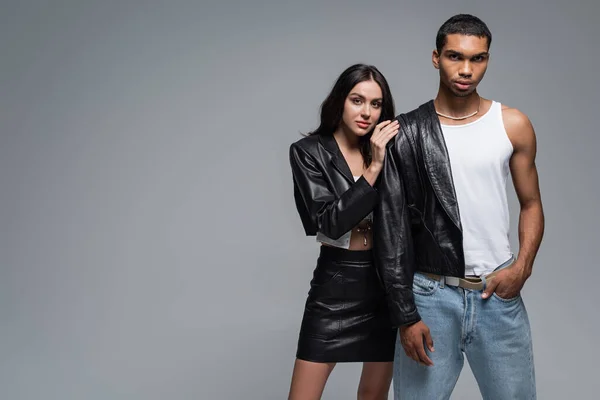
x,y
334,170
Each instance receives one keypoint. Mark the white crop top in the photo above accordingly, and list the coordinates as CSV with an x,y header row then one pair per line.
x,y
344,241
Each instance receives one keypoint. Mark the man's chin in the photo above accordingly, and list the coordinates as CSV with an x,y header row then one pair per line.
x,y
460,93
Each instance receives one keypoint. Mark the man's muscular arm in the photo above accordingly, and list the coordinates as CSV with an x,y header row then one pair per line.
x,y
509,282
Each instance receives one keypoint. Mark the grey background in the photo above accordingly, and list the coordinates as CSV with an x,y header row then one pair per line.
x,y
149,245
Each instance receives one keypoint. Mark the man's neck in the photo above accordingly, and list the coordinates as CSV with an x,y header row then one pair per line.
x,y
448,103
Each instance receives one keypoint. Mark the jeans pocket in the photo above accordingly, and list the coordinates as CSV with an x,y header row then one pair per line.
x,y
423,285
502,299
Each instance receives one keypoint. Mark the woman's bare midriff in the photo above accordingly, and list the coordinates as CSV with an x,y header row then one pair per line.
x,y
357,239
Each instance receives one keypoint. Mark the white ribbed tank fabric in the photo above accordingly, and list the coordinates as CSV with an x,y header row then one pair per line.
x,y
479,154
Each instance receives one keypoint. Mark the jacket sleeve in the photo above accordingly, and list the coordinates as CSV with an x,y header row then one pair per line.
x,y
318,207
393,244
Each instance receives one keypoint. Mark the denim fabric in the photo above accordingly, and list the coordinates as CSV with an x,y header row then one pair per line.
x,y
493,333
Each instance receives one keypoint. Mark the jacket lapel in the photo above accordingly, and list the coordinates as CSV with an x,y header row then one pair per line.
x,y
337,158
437,161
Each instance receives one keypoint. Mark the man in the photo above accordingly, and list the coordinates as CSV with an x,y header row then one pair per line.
x,y
441,238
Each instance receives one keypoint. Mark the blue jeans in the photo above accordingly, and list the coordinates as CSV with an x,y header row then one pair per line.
x,y
493,333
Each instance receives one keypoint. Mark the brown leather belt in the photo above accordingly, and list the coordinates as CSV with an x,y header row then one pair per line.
x,y
466,283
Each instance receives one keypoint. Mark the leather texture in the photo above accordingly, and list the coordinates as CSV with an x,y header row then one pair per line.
x,y
327,197
417,222
346,317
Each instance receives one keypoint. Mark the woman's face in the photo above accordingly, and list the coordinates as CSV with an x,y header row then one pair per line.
x,y
362,108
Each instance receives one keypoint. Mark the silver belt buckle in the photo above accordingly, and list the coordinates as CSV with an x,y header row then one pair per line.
x,y
452,281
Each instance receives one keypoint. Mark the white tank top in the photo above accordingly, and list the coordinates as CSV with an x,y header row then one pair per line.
x,y
479,157
344,241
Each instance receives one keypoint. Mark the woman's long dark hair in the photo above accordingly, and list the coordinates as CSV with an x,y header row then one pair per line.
x,y
332,108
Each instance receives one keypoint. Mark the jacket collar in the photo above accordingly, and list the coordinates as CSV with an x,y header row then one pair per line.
x,y
437,161
337,158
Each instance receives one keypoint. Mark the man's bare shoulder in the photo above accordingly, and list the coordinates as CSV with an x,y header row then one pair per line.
x,y
514,118
518,126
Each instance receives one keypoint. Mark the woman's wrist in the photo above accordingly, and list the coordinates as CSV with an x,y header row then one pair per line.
x,y
376,166
372,172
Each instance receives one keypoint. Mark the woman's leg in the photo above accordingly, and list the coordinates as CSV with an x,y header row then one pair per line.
x,y
308,380
375,381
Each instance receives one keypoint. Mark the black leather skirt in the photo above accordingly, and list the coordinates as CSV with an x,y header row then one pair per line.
x,y
346,316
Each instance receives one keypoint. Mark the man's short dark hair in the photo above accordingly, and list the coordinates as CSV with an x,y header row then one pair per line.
x,y
463,24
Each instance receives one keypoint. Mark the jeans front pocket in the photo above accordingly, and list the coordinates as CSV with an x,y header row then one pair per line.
x,y
423,285
502,299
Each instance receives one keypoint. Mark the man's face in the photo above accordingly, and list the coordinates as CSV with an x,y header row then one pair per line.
x,y
462,63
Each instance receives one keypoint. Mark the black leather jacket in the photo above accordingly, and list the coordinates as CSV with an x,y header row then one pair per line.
x,y
417,222
327,198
